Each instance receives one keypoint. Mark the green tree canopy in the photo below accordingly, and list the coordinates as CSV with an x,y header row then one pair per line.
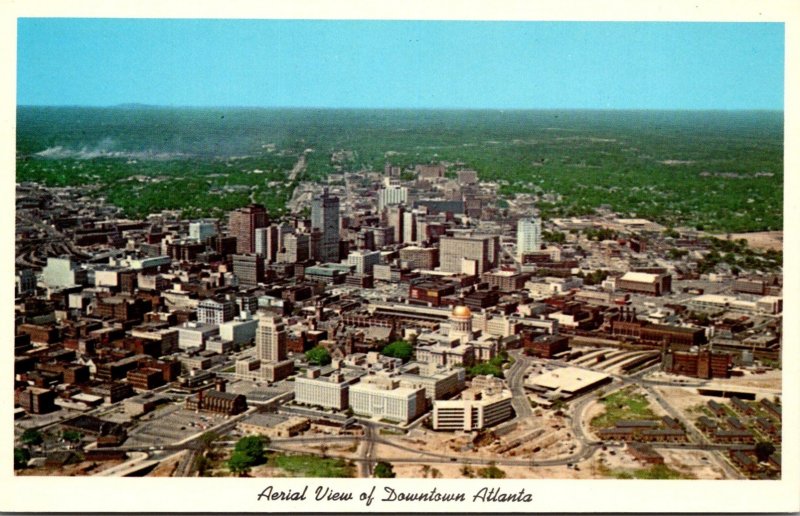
x,y
31,437
398,349
21,458
252,446
239,463
71,436
318,356
384,470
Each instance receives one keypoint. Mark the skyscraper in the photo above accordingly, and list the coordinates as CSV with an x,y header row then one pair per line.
x,y
242,224
456,251
392,195
270,338
529,234
325,217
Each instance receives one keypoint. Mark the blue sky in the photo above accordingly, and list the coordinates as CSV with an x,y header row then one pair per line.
x,y
406,64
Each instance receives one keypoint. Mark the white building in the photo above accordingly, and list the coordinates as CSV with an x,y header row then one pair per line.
x,y
194,334
202,230
63,272
364,261
381,396
477,410
392,195
327,391
529,235
240,330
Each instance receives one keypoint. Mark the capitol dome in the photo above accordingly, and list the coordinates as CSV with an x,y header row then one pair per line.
x,y
462,311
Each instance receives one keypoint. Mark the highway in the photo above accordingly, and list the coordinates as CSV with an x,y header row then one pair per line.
x,y
515,375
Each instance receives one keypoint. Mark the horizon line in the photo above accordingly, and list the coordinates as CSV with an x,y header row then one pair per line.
x,y
129,105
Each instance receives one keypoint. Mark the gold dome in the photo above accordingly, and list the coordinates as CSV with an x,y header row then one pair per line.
x,y
462,311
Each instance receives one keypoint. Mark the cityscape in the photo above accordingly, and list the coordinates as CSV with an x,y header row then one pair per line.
x,y
403,326
454,294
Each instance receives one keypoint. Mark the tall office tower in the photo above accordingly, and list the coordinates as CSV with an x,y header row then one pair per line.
x,y
296,248
529,235
270,338
314,243
249,268
242,224
325,217
267,242
392,195
394,217
459,253
409,227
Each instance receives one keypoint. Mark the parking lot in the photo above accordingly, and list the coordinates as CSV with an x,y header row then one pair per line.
x,y
259,392
170,425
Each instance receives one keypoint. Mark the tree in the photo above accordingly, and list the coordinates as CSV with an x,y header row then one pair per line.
x,y
252,447
239,463
318,356
71,436
467,471
21,458
32,437
398,349
383,470
491,471
763,450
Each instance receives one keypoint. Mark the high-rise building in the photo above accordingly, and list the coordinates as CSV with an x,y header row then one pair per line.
x,y
394,217
270,338
409,227
201,230
296,248
457,251
392,195
420,257
249,268
243,223
364,261
325,217
267,242
529,235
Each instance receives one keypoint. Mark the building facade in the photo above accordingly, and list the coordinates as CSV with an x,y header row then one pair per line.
x,y
325,218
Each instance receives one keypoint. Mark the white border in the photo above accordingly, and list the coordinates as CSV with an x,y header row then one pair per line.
x,y
45,494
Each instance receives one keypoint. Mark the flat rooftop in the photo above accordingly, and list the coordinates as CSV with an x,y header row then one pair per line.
x,y
566,379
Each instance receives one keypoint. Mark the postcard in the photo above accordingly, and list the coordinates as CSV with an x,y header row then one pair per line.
x,y
359,257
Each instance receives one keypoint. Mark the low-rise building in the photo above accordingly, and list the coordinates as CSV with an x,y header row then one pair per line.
x,y
475,411
382,397
327,391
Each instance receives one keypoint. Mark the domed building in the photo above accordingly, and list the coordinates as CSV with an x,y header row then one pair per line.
x,y
461,324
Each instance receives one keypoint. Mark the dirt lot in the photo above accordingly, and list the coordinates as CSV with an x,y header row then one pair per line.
x,y
762,240
71,470
769,380
167,467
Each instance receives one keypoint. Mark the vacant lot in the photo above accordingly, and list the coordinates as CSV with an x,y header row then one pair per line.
x,y
621,405
311,466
